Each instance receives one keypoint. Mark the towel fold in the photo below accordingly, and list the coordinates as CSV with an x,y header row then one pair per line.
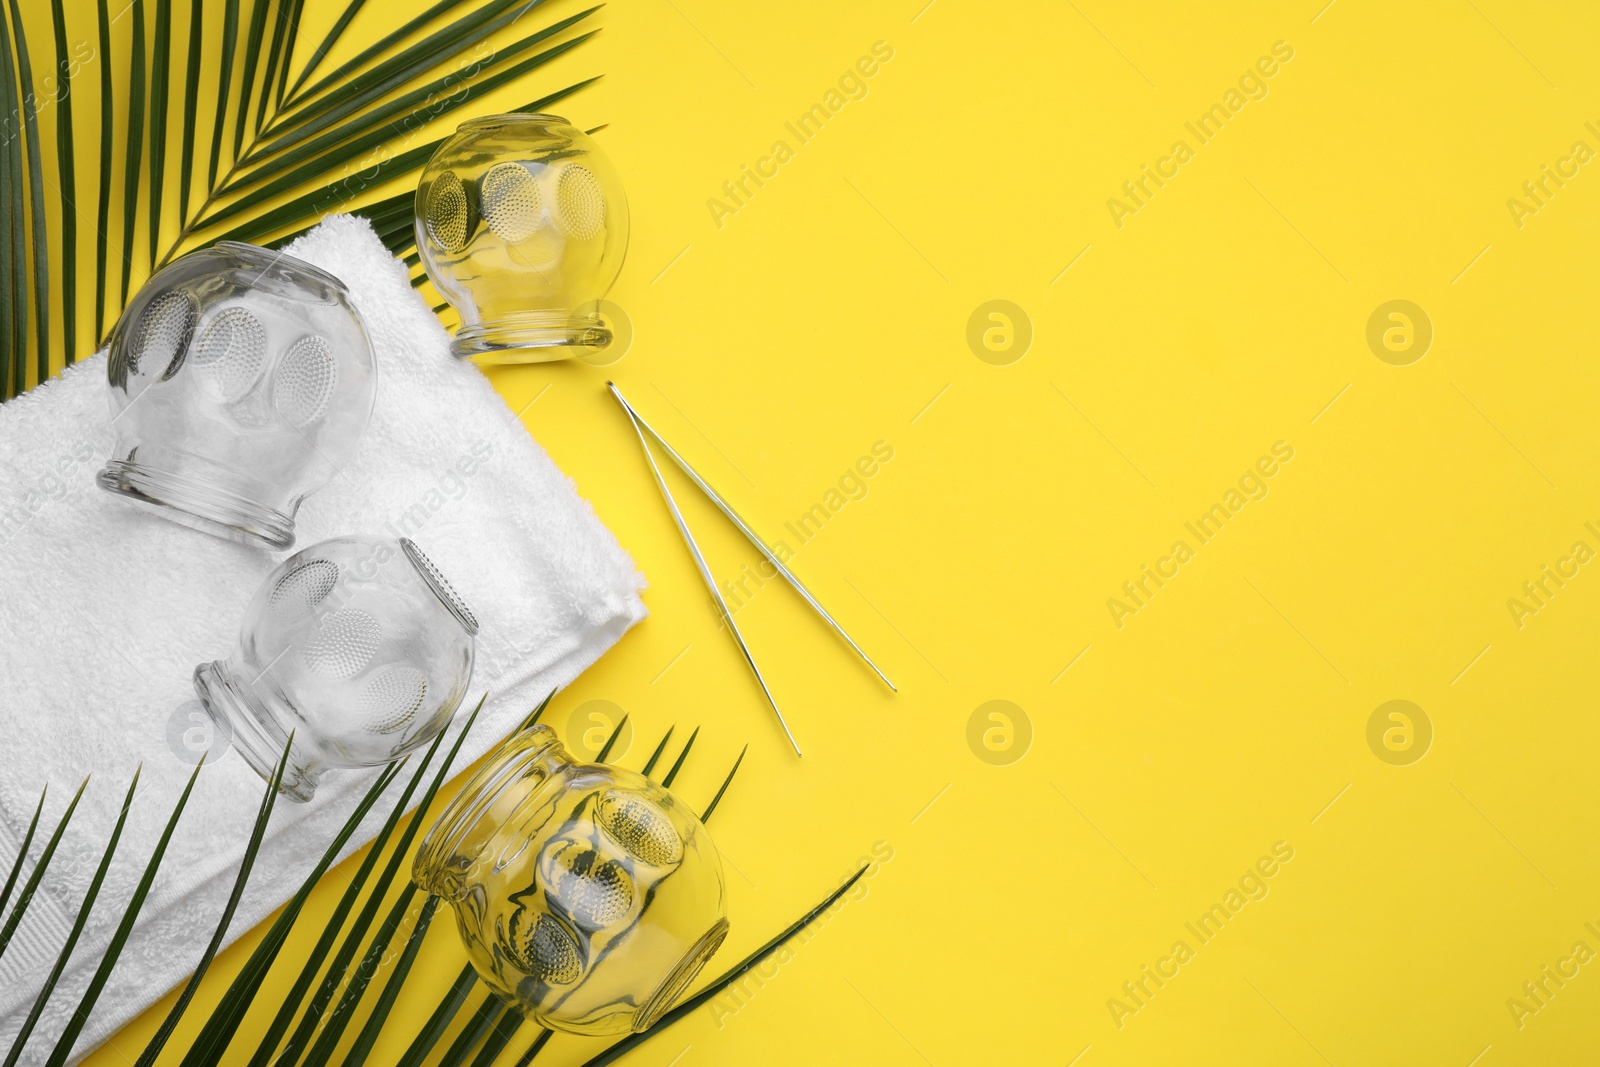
x,y
105,610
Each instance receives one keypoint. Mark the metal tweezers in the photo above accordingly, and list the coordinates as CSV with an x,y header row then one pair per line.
x,y
643,428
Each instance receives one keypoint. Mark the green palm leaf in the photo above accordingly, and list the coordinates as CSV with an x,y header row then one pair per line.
x,y
22,853
345,1012
288,50
341,194
705,816
425,101
41,256
351,152
616,732
739,970
478,1026
284,10
108,961
371,52
655,756
385,1003
107,142
505,1028
67,182
537,713
490,1027
322,50
218,1032
252,57
31,886
230,41
263,813
330,932
440,1020
213,1040
130,172
535,1048
160,66
191,101
77,928
400,68
341,961
666,783
13,281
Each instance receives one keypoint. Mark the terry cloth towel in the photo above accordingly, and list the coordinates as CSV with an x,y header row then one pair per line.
x,y
105,610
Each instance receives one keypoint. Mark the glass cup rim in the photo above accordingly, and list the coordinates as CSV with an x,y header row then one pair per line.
x,y
524,117
270,257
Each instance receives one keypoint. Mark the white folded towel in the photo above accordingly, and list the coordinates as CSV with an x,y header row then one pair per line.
x,y
105,610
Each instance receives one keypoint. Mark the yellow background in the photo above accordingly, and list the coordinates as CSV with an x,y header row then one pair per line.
x,y
830,312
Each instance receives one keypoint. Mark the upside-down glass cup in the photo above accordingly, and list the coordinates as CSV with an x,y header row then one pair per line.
x,y
522,225
588,897
241,380
358,645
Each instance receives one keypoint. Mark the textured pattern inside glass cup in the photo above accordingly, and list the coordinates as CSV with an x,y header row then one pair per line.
x,y
448,214
343,643
580,207
595,892
304,381
161,340
441,586
302,589
639,827
231,352
513,206
392,697
541,947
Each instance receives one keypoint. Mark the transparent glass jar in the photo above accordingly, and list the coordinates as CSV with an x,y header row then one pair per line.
x,y
588,896
358,645
522,225
241,380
